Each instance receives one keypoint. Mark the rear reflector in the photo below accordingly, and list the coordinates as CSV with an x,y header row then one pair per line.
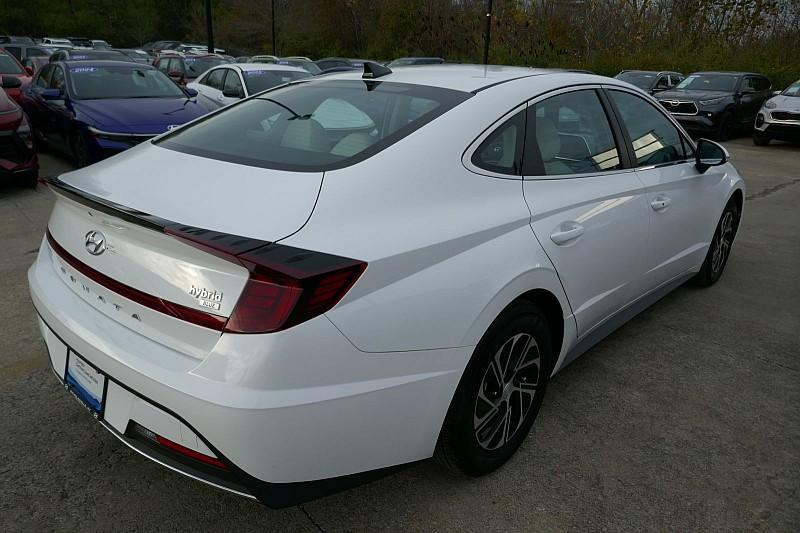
x,y
155,438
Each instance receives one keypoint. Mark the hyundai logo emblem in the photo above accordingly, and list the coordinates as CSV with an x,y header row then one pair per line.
x,y
95,242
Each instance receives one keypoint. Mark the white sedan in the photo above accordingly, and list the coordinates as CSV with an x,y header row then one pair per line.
x,y
354,272
231,82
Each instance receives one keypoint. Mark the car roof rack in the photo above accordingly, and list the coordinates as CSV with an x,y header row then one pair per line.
x,y
374,70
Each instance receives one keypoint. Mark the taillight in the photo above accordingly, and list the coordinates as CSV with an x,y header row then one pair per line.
x,y
25,133
287,285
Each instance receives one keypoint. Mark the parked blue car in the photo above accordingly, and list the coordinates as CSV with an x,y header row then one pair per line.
x,y
91,110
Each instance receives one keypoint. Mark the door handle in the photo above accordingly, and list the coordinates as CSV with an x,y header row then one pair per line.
x,y
660,203
566,232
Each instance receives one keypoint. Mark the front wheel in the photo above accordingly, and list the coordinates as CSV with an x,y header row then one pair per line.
x,y
500,393
720,249
81,152
725,128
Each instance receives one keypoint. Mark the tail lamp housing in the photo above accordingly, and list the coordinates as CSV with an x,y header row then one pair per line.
x,y
286,285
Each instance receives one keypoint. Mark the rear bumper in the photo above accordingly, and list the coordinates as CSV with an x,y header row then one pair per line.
x,y
293,415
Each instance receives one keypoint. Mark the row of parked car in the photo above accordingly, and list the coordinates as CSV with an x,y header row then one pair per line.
x,y
90,103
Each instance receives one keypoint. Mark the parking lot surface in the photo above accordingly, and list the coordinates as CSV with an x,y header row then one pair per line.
x,y
687,418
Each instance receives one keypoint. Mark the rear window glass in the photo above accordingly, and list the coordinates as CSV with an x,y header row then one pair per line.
x,y
261,80
315,126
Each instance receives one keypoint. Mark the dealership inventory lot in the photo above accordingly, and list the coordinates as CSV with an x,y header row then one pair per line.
x,y
687,417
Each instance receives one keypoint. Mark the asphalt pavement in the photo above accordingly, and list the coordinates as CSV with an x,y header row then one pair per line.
x,y
687,418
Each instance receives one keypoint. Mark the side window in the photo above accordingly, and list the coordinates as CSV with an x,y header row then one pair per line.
x,y
57,81
15,51
37,52
569,134
162,65
233,83
762,84
501,151
656,141
215,78
43,79
663,83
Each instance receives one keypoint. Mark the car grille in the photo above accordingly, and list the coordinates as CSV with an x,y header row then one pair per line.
x,y
680,108
785,115
11,149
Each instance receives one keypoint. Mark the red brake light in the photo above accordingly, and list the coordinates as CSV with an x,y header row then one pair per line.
x,y
287,285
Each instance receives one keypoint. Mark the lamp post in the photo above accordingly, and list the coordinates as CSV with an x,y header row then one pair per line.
x,y
274,41
209,28
487,36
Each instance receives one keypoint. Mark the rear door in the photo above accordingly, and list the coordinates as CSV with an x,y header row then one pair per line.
x,y
210,88
676,191
589,212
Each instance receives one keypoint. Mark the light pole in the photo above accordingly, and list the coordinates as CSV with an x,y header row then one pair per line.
x,y
487,36
209,28
274,41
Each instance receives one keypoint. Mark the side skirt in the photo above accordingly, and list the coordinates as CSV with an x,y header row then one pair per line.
x,y
623,316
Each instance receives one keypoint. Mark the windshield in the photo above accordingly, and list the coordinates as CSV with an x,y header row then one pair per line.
x,y
197,65
261,80
315,126
91,83
708,82
792,90
641,80
9,66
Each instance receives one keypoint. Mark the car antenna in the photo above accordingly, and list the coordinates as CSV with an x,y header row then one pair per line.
x,y
374,70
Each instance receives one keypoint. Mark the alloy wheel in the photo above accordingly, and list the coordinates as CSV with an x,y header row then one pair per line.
x,y
507,391
722,244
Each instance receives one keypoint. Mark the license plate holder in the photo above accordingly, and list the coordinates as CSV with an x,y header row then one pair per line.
x,y
86,383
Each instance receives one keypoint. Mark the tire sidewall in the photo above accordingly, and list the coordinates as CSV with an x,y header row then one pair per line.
x,y
472,458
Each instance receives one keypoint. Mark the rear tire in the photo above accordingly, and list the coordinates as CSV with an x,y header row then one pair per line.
x,y
500,393
724,129
760,140
720,249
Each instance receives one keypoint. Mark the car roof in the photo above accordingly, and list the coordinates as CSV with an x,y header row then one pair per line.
x,y
651,71
462,77
728,72
99,63
263,66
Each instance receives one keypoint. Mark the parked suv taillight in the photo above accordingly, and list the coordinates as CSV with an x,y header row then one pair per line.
x,y
287,285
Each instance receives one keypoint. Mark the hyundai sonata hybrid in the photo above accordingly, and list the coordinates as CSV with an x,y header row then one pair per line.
x,y
342,275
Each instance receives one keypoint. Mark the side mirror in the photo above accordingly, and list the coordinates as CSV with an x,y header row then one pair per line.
x,y
775,93
233,93
29,70
710,154
10,82
191,93
52,94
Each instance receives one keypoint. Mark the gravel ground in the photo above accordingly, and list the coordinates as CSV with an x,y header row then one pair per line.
x,y
687,418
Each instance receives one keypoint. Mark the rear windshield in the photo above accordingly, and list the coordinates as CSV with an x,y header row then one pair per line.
x,y
315,126
92,83
84,55
261,80
641,80
197,65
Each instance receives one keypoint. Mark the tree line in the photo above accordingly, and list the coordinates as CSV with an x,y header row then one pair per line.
x,y
601,35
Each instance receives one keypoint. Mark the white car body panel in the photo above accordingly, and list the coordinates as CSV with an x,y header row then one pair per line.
x,y
367,384
213,98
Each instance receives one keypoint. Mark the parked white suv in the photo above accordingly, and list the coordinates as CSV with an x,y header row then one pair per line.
x,y
349,273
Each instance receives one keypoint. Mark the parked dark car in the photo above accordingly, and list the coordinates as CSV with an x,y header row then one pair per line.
x,y
186,68
93,109
415,61
22,51
650,81
136,55
717,103
340,63
779,117
19,39
81,54
17,156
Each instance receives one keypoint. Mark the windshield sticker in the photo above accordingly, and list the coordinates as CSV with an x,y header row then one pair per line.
x,y
257,72
83,69
79,57
190,59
